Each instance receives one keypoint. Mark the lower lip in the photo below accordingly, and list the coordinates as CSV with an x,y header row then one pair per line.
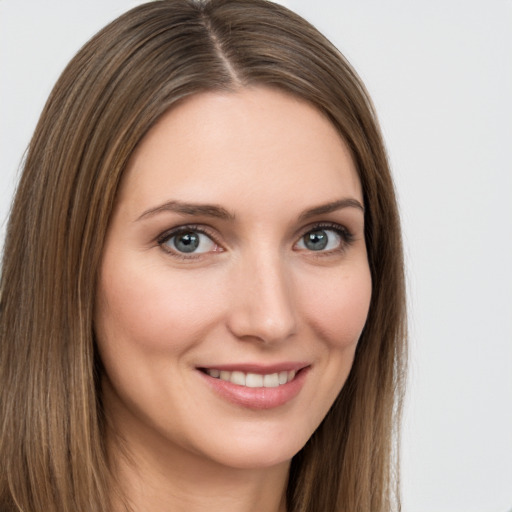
x,y
258,398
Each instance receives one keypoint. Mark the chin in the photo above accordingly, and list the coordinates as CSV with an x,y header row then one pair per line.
x,y
255,445
253,455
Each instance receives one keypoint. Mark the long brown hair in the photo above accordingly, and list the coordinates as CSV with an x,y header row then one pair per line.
x,y
109,96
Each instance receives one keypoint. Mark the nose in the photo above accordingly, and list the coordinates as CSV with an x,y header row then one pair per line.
x,y
262,301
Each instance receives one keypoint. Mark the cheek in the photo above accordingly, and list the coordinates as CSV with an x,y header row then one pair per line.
x,y
142,310
339,310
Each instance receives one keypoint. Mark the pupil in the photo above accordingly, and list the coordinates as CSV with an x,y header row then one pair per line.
x,y
187,242
316,241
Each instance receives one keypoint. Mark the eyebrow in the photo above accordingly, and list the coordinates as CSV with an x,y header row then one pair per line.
x,y
331,207
212,210
208,210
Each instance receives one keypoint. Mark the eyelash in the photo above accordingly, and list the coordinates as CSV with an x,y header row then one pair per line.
x,y
346,236
188,228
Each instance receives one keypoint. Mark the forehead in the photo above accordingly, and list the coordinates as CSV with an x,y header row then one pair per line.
x,y
254,142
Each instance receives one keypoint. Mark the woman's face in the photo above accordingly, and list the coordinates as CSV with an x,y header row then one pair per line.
x,y
235,283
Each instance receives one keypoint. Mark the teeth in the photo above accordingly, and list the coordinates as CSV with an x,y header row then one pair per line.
x,y
253,380
238,378
271,380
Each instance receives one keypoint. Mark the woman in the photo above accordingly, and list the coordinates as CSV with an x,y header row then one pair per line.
x,y
202,287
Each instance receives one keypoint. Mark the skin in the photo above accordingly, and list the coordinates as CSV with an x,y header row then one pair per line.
x,y
253,292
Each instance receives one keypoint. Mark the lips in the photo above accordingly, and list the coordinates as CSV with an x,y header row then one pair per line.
x,y
257,387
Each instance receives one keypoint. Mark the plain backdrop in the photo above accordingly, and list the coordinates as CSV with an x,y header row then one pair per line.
x,y
440,74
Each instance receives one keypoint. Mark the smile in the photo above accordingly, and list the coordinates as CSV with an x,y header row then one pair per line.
x,y
252,380
257,387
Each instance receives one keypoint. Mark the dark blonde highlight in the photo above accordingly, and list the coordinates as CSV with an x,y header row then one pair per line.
x,y
109,96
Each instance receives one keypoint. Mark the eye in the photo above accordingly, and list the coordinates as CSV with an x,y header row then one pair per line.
x,y
324,239
188,241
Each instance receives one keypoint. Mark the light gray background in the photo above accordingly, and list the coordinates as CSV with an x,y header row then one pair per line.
x,y
440,74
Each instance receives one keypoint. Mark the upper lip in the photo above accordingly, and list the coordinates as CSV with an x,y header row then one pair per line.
x,y
263,369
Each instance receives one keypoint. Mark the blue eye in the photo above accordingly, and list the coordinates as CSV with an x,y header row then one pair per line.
x,y
323,239
189,241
